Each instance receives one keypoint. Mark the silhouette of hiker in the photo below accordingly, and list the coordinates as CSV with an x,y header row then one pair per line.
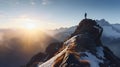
x,y
85,15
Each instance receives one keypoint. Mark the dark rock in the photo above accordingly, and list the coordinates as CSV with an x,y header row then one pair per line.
x,y
91,28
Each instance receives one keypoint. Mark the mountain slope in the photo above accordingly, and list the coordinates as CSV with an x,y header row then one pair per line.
x,y
84,49
117,26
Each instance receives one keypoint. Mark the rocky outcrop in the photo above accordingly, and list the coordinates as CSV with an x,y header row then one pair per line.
x,y
91,29
42,57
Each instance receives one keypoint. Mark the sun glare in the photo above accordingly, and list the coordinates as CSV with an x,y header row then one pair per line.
x,y
30,26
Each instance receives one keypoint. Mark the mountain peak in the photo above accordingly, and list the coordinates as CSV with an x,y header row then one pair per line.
x,y
84,49
102,22
91,28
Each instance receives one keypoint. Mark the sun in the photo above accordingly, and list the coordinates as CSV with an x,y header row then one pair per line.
x,y
30,26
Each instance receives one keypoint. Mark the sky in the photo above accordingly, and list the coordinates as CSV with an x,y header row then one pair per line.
x,y
51,14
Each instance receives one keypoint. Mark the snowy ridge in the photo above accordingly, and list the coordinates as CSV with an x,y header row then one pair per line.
x,y
93,60
71,40
50,62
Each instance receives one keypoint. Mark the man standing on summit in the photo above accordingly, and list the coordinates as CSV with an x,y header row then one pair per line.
x,y
85,15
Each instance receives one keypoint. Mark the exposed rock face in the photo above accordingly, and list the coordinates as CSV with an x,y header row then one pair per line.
x,y
84,49
89,28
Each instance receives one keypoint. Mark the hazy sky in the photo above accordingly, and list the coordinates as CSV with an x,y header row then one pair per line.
x,y
56,13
